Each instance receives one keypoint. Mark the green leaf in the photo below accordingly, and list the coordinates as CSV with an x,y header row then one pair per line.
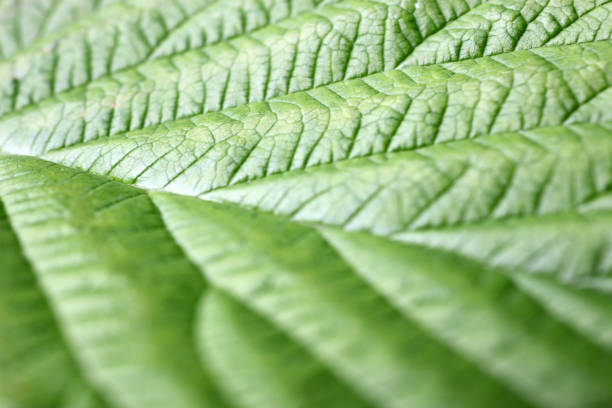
x,y
305,203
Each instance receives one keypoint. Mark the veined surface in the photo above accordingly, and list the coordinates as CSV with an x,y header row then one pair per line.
x,y
305,203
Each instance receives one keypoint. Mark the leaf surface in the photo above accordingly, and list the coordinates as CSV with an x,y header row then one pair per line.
x,y
299,203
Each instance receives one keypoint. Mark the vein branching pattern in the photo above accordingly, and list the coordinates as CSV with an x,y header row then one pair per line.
x,y
305,203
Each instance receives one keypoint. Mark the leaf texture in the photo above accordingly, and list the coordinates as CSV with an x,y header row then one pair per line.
x,y
305,203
